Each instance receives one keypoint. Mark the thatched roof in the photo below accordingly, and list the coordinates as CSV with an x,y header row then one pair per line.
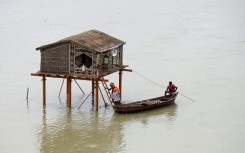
x,y
93,40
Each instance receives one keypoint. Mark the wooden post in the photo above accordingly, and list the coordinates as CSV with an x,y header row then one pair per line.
x,y
68,87
44,91
92,91
120,82
97,95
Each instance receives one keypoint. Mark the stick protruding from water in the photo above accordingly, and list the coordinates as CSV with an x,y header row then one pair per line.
x,y
27,93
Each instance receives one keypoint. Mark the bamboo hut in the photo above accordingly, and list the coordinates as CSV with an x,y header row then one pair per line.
x,y
90,55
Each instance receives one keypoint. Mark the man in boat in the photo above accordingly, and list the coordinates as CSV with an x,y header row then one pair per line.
x,y
171,89
115,94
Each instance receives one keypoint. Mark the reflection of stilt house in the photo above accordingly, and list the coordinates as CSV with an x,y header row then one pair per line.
x,y
87,56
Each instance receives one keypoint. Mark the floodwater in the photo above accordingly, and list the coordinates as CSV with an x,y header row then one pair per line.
x,y
199,45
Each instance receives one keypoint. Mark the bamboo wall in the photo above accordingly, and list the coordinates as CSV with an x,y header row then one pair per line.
x,y
55,59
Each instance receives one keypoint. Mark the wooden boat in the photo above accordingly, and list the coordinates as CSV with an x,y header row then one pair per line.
x,y
145,104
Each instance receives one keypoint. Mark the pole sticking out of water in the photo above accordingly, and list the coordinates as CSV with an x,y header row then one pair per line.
x,y
27,93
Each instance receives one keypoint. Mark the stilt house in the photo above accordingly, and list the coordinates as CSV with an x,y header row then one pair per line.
x,y
89,55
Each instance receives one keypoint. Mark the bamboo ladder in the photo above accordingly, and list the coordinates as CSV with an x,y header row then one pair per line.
x,y
107,91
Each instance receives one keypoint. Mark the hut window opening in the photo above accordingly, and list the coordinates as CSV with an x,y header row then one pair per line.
x,y
115,56
105,62
83,59
106,59
114,52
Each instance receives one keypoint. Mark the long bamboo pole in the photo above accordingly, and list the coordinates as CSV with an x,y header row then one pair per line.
x,y
61,87
79,86
85,100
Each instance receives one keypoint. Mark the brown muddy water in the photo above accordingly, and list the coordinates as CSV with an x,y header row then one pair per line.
x,y
199,45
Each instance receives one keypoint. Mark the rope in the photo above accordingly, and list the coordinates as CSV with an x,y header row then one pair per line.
x,y
149,80
160,85
187,97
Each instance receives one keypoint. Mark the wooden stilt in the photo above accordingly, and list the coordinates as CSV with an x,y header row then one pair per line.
x,y
44,91
70,95
68,92
67,89
92,91
120,82
97,95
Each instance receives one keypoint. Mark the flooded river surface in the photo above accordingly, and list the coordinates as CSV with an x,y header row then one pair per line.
x,y
199,45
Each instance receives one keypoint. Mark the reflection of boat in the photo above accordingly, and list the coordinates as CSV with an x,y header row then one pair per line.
x,y
145,104
169,112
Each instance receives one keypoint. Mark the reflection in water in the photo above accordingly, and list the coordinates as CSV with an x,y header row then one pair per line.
x,y
79,134
74,131
143,117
